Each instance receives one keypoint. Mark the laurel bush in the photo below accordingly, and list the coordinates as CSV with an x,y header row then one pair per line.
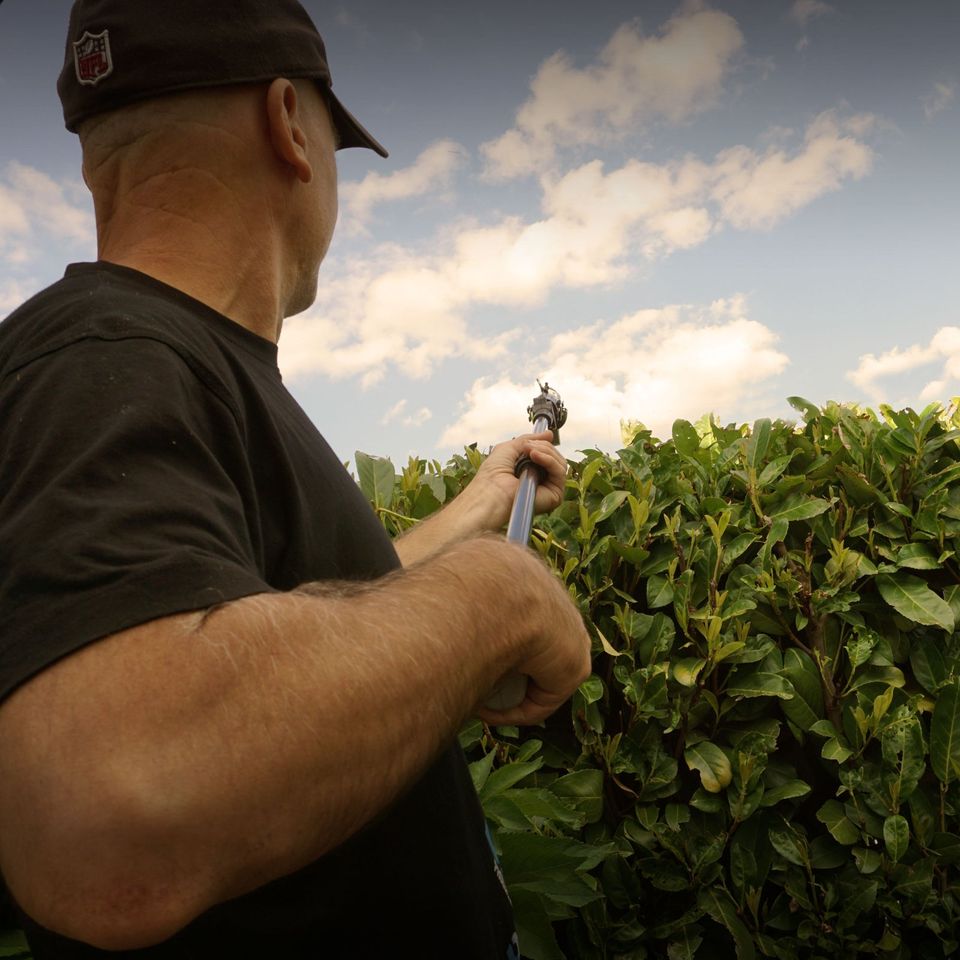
x,y
766,759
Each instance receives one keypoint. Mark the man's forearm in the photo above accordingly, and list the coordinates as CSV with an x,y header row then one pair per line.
x,y
457,521
242,745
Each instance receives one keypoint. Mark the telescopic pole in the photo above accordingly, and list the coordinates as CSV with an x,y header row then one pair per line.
x,y
547,414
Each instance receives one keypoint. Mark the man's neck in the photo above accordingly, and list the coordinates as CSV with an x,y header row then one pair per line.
x,y
223,263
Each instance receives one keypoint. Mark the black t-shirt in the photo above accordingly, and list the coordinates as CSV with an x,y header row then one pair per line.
x,y
154,463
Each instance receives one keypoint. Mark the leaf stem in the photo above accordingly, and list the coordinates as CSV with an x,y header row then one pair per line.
x,y
381,511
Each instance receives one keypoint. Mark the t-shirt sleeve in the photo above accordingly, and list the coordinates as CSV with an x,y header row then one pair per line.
x,y
125,496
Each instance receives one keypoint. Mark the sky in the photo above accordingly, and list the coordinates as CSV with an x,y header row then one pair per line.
x,y
663,209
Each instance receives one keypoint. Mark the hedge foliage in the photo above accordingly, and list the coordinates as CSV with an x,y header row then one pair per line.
x,y
765,761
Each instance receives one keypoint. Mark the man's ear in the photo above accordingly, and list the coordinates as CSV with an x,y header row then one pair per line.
x,y
286,132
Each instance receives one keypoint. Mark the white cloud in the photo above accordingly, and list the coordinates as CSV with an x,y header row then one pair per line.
x,y
654,365
13,293
873,373
408,309
803,11
35,208
756,191
636,79
939,98
48,205
419,418
395,415
430,172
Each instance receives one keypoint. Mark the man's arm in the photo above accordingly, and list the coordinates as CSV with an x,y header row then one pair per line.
x,y
485,505
184,762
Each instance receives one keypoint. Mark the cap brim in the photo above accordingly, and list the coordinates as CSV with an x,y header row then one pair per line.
x,y
350,131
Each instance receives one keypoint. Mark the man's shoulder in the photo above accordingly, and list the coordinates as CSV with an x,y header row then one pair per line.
x,y
89,302
140,323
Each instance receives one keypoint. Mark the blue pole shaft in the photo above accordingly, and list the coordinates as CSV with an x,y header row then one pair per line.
x,y
513,688
521,517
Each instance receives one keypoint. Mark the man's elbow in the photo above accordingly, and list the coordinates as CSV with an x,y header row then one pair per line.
x,y
97,879
125,914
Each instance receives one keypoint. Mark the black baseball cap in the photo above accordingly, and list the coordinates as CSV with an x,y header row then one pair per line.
x,y
122,51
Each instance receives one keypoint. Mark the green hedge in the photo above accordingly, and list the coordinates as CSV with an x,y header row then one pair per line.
x,y
765,762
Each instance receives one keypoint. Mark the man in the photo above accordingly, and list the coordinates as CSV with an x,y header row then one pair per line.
x,y
228,719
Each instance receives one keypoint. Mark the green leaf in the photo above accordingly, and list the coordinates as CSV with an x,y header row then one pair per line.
x,y
610,503
860,646
592,689
737,546
945,733
824,728
868,861
759,442
524,807
827,854
840,826
947,847
775,468
685,438
833,749
571,891
896,836
760,684
791,847
728,650
534,928
684,948
584,789
903,759
722,909
778,530
711,763
927,663
860,902
376,475
675,815
528,857
888,676
786,791
506,777
686,671
810,411
917,556
13,944
589,472
801,508
659,592
913,599
914,882
480,770
806,708
436,485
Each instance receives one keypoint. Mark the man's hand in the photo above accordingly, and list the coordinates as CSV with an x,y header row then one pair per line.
x,y
497,483
485,505
554,649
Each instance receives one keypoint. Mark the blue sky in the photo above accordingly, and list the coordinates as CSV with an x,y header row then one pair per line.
x,y
663,209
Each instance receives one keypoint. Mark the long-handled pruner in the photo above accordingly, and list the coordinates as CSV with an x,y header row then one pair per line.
x,y
547,414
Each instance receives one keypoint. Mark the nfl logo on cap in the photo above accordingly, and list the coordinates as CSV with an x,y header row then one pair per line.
x,y
91,57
